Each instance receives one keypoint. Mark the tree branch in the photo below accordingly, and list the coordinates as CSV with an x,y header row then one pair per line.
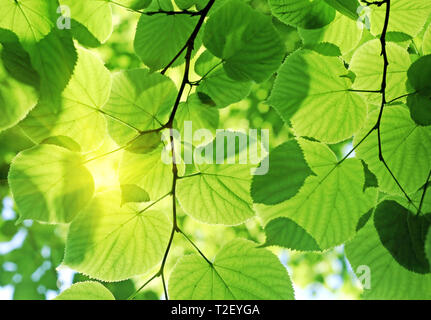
x,y
188,47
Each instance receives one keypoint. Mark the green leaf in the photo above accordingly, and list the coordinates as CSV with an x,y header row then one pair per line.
x,y
50,184
16,60
111,242
329,205
428,246
30,20
223,90
420,109
389,280
78,116
133,193
165,5
426,44
395,36
185,4
303,13
223,184
216,84
139,101
148,172
160,37
95,15
200,115
245,40
405,147
16,99
370,178
367,64
405,16
310,91
403,234
145,143
287,173
134,4
420,103
347,7
286,233
325,48
346,40
364,219
88,290
201,4
64,142
54,58
223,194
206,63
419,74
236,274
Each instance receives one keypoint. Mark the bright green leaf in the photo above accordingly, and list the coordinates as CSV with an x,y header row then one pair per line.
x,y
426,45
148,172
310,91
303,13
405,147
197,115
95,15
346,40
367,64
286,233
88,290
79,116
50,184
139,101
111,242
133,193
30,20
245,40
223,184
329,205
405,16
160,37
287,173
347,7
236,274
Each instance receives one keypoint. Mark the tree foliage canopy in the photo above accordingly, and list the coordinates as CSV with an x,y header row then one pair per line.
x,y
345,89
